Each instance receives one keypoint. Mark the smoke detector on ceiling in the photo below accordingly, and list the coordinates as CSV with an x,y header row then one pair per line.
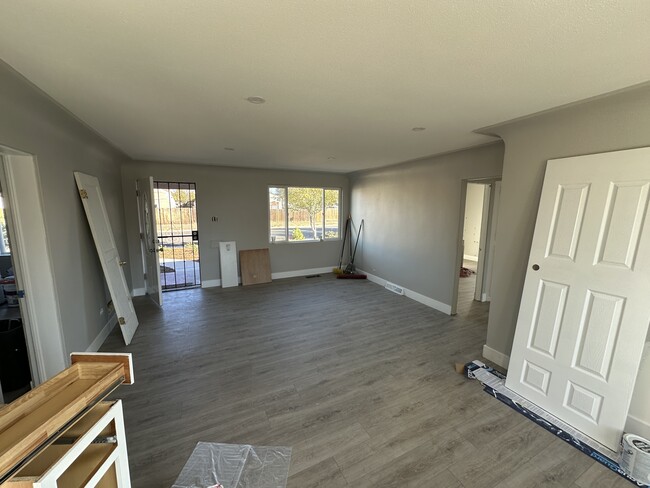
x,y
256,100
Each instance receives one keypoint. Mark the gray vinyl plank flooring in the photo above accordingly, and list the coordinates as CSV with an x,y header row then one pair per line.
x,y
357,380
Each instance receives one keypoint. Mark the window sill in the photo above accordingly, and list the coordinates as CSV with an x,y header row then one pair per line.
x,y
304,242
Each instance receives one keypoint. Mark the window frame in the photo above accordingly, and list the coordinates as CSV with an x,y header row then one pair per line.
x,y
286,239
5,249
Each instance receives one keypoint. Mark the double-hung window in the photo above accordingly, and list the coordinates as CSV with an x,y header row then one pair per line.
x,y
303,214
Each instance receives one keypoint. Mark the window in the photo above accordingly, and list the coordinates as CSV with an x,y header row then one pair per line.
x,y
4,236
303,214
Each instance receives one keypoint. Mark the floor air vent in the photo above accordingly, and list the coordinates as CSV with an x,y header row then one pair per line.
x,y
394,288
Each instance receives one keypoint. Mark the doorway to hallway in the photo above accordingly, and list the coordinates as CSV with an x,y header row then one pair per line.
x,y
178,234
476,243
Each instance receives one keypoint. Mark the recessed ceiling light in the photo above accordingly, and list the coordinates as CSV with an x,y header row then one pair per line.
x,y
256,100
418,129
229,148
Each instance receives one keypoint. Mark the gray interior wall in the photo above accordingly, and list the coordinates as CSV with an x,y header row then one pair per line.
x,y
412,217
239,199
616,122
33,123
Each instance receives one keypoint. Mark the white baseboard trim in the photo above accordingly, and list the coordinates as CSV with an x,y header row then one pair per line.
x,y
275,276
635,425
139,292
496,356
413,295
210,283
467,257
300,272
103,334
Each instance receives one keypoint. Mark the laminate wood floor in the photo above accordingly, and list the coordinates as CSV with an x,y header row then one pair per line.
x,y
466,289
357,380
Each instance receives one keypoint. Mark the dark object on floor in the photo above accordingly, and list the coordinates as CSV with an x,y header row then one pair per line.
x,y
571,436
313,276
351,276
14,363
466,272
339,269
350,269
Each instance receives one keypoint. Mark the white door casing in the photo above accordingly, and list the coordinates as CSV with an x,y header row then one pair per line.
x,y
100,227
585,311
33,265
492,242
483,243
149,239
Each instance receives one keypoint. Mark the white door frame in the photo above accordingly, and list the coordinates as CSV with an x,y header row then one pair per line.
x,y
491,241
33,264
483,242
149,244
460,248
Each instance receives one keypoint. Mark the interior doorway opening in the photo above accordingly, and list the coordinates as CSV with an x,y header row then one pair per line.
x,y
177,234
15,369
477,231
27,258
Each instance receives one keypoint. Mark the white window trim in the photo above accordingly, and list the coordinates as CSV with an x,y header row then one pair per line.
x,y
286,215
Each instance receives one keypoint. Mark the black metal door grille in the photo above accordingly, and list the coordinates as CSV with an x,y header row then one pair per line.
x,y
178,235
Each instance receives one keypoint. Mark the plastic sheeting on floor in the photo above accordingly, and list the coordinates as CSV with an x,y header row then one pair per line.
x,y
214,465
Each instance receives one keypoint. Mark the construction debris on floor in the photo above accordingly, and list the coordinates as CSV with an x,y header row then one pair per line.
x,y
213,465
466,272
494,384
350,271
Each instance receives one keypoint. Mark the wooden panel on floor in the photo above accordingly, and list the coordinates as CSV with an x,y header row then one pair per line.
x,y
255,266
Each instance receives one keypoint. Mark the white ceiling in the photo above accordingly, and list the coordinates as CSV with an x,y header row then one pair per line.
x,y
344,79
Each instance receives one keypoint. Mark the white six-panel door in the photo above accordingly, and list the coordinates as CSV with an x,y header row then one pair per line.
x,y
585,307
100,227
149,238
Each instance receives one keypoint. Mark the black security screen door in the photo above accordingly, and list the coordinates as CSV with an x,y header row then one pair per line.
x,y
178,234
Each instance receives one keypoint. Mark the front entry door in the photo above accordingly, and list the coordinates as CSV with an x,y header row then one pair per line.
x,y
585,307
100,227
178,234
